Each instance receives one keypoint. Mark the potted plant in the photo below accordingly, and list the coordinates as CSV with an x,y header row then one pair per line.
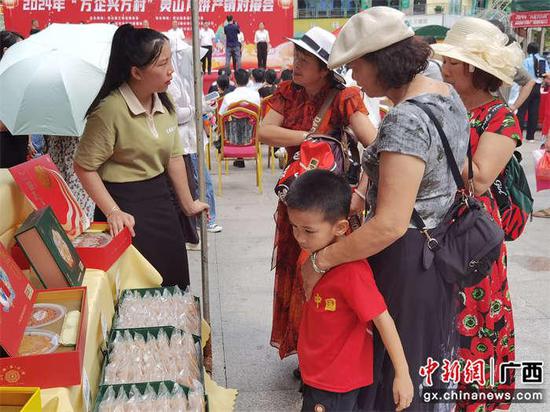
x,y
438,9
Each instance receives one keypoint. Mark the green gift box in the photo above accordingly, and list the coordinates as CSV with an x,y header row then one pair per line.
x,y
49,250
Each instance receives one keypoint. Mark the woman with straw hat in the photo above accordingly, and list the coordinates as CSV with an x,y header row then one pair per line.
x,y
290,116
477,61
407,169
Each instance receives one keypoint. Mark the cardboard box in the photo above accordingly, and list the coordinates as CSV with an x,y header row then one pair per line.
x,y
20,399
49,250
103,256
99,257
43,185
63,365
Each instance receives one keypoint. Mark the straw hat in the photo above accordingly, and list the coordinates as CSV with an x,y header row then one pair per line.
x,y
366,32
319,42
482,45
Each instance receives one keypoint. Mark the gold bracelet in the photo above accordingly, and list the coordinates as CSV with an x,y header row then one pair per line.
x,y
113,210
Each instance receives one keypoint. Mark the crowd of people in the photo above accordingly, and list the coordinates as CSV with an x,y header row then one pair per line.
x,y
342,298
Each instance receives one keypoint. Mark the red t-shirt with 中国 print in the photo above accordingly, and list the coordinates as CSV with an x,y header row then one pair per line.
x,y
335,339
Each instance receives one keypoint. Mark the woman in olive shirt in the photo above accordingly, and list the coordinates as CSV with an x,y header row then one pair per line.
x,y
130,148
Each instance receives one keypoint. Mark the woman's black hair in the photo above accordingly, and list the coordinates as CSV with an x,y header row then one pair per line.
x,y
532,48
131,47
8,39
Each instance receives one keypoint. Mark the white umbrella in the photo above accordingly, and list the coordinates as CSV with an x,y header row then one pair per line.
x,y
48,81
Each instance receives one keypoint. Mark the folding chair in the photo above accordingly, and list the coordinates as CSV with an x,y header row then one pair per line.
x,y
238,128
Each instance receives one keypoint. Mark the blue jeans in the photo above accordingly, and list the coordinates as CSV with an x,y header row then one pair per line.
x,y
234,52
209,188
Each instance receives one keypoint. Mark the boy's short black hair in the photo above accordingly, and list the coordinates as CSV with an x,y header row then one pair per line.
x,y
322,191
241,77
286,74
270,76
258,75
222,82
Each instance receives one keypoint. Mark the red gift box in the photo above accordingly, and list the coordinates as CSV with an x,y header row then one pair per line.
x,y
43,185
101,257
62,367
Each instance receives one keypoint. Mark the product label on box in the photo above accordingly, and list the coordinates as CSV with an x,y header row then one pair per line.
x,y
86,394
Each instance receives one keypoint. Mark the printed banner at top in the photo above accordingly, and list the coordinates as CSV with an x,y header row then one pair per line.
x,y
530,19
277,15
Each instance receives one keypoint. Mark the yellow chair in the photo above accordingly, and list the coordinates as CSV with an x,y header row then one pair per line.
x,y
238,136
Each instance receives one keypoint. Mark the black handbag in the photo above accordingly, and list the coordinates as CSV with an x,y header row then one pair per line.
x,y
466,244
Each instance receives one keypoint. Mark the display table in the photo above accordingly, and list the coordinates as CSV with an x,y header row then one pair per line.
x,y
130,271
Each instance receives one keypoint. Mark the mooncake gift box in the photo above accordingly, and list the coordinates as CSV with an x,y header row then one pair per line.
x,y
43,185
49,250
42,332
96,247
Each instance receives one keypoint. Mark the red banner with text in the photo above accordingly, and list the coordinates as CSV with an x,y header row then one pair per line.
x,y
277,15
530,19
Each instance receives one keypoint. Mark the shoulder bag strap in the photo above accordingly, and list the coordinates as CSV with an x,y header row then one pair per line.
x,y
418,221
323,110
446,146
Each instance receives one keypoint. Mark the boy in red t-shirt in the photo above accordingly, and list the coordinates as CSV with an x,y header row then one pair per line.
x,y
335,339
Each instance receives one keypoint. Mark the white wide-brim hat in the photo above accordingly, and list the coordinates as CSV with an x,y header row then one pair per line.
x,y
369,31
481,44
319,42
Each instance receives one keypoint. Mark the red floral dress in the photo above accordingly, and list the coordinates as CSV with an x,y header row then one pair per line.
x,y
299,110
485,322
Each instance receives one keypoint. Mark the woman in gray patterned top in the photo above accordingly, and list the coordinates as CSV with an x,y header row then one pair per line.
x,y
407,168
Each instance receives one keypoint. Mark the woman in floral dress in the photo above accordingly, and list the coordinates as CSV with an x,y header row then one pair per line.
x,y
477,62
289,118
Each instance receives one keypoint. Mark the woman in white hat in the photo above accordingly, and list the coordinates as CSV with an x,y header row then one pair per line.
x,y
288,120
407,168
477,61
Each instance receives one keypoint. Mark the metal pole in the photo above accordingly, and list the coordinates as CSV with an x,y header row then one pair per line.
x,y
197,76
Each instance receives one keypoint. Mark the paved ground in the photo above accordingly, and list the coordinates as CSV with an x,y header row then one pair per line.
x,y
241,288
